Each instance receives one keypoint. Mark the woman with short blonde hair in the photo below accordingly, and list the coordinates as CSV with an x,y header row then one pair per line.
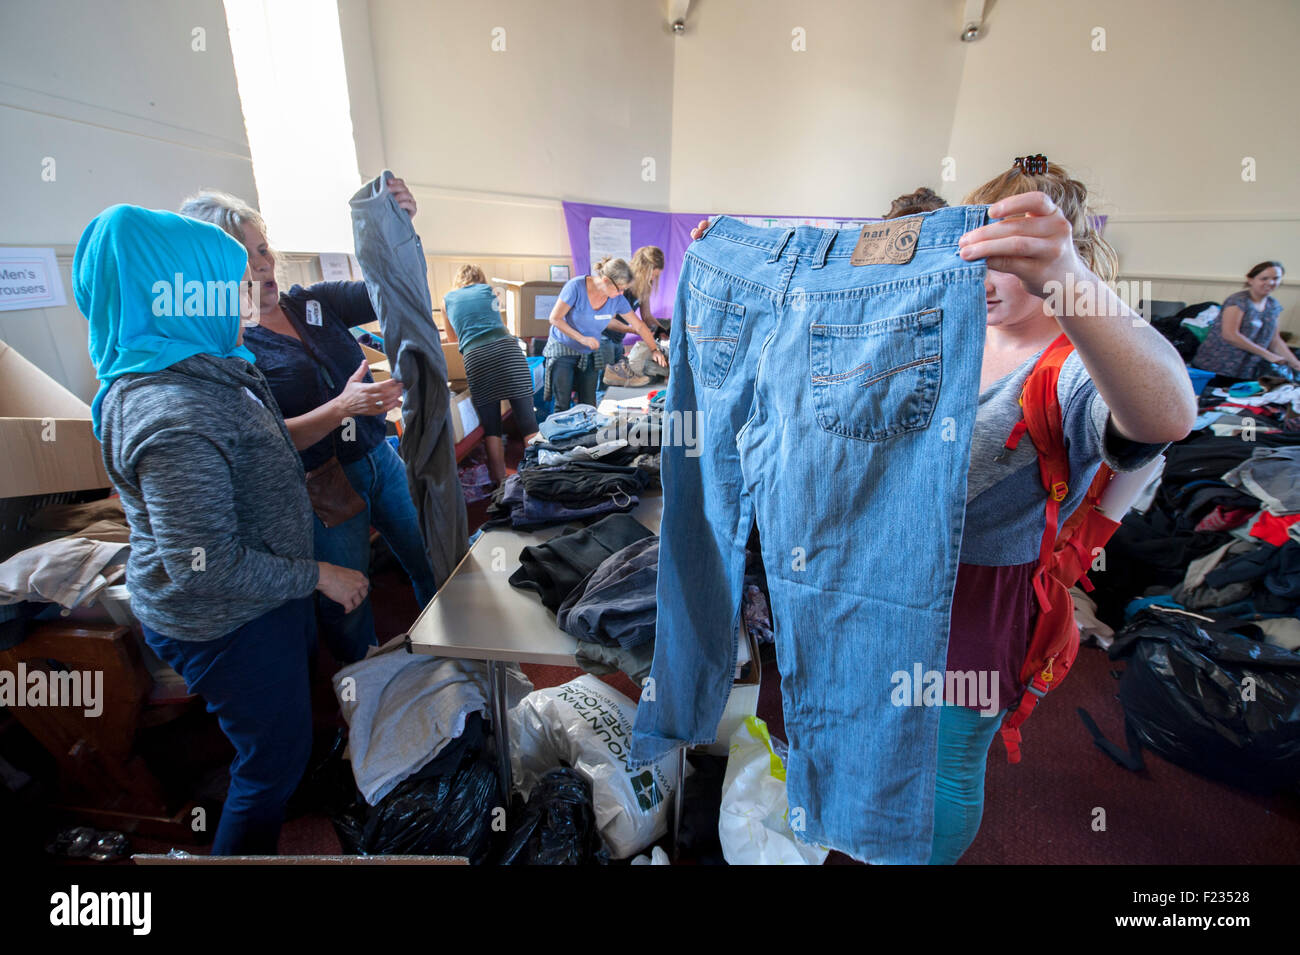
x,y
587,304
335,414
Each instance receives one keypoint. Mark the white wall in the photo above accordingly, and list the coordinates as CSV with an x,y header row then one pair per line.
x,y
859,117
1157,125
735,119
114,92
491,140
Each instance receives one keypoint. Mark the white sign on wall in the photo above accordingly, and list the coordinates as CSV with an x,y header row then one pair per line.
x,y
29,278
612,237
335,267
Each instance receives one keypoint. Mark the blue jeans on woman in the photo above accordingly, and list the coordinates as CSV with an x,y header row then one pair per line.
x,y
964,739
380,479
255,681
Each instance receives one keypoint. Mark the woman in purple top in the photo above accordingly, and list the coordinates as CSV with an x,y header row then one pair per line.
x,y
1243,343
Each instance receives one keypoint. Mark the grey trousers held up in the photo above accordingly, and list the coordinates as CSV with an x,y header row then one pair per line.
x,y
392,261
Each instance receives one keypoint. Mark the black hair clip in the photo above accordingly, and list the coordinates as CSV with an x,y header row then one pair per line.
x,y
1035,165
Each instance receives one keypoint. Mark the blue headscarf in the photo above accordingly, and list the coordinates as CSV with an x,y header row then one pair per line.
x,y
155,287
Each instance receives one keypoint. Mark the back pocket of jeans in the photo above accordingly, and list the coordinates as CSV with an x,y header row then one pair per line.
x,y
877,380
712,332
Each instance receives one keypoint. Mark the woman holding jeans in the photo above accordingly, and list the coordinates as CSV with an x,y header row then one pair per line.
x,y
1124,394
221,570
335,413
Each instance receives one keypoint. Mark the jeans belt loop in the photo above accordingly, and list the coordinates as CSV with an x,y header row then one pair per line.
x,y
776,255
823,246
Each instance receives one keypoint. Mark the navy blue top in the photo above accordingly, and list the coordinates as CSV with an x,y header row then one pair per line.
x,y
303,381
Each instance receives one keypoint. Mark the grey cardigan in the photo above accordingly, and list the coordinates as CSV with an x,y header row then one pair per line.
x,y
221,526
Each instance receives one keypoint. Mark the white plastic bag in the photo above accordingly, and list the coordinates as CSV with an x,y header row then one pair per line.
x,y
754,824
588,725
657,857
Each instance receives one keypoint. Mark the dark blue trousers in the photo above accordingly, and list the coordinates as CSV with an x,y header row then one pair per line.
x,y
255,680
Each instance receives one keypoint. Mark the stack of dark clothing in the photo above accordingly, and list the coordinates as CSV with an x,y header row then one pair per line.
x,y
600,581
1222,537
539,497
1203,590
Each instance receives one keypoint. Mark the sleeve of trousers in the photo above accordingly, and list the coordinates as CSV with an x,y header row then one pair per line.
x,y
396,274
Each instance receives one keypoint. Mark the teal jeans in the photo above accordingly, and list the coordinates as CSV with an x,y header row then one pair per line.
x,y
964,738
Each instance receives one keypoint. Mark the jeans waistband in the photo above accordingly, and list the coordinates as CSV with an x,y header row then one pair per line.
x,y
940,228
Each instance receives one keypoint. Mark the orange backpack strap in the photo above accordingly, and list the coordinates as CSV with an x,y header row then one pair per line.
x,y
1042,420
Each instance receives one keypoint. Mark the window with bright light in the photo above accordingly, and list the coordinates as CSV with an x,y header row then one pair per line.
x,y
293,87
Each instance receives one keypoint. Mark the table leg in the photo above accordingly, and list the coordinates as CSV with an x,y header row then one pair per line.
x,y
500,723
679,799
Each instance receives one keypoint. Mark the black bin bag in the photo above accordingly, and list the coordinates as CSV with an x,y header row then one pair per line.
x,y
444,815
1211,700
557,826
447,808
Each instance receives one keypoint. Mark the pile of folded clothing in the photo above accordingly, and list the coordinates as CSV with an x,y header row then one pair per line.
x,y
629,436
601,582
612,611
616,560
538,497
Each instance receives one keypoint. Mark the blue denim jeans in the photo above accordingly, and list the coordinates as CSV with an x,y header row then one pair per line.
x,y
832,404
255,680
567,423
380,479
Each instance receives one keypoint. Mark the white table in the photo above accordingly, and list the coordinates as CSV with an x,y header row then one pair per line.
x,y
478,615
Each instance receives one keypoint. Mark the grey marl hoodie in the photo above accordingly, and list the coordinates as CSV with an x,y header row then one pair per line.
x,y
221,526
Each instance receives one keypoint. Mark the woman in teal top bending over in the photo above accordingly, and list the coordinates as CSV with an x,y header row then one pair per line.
x,y
494,363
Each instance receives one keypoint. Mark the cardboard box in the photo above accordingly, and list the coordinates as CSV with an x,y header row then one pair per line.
x,y
528,306
45,431
455,362
379,368
464,419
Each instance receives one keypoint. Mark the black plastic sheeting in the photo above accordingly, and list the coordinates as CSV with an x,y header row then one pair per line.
x,y
1214,701
448,808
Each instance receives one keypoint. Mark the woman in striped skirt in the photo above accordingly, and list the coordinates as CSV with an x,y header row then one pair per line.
x,y
494,363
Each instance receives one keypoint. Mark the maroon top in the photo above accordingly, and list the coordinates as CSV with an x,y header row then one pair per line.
x,y
993,614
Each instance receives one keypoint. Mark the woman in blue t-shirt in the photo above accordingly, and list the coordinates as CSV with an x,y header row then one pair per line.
x,y
586,305
1243,343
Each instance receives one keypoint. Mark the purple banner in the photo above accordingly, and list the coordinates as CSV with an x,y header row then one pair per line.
x,y
670,231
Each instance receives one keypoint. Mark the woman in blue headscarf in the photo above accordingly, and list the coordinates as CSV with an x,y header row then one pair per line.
x,y
221,571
